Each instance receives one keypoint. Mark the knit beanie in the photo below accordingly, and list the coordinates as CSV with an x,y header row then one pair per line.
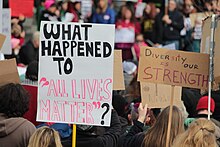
x,y
203,104
49,3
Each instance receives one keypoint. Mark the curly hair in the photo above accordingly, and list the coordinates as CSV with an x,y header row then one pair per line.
x,y
14,100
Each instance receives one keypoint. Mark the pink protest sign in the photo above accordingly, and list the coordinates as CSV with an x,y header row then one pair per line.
x,y
21,7
75,73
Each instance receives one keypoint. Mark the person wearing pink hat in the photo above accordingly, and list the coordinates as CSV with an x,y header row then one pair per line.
x,y
50,12
48,3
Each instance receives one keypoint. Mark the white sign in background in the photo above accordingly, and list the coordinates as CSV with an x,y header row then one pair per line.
x,y
1,7
6,30
75,73
124,35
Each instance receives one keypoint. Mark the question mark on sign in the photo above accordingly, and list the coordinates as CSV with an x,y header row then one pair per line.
x,y
106,111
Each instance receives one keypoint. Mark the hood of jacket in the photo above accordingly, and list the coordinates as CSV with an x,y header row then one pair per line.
x,y
9,125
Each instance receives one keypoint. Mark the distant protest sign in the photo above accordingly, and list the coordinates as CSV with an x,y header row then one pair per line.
x,y
206,42
22,7
8,72
206,34
118,77
202,15
6,30
75,73
217,53
173,67
158,95
124,35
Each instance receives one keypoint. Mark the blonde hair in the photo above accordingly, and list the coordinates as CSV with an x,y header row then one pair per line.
x,y
45,137
156,135
199,134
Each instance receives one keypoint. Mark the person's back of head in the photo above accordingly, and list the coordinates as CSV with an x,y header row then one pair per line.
x,y
45,137
199,134
156,135
32,71
36,39
14,100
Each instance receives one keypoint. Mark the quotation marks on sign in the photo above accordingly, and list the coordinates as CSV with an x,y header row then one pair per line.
x,y
96,104
105,112
43,82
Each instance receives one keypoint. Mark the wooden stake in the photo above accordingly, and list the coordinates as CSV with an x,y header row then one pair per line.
x,y
74,136
166,7
170,116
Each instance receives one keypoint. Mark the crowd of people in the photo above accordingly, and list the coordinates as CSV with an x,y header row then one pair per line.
x,y
132,123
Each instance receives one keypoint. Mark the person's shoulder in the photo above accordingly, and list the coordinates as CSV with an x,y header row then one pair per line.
x,y
110,10
178,12
27,125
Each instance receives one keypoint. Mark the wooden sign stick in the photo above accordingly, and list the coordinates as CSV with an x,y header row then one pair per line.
x,y
170,116
166,7
74,136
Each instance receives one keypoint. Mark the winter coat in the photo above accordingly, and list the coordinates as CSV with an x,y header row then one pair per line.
x,y
135,136
165,32
108,139
108,17
15,132
28,53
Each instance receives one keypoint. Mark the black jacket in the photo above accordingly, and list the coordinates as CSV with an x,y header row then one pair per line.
x,y
48,16
108,139
28,53
165,32
135,136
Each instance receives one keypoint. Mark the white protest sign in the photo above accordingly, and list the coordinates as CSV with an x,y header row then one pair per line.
x,y
124,35
170,46
75,73
6,30
139,10
1,3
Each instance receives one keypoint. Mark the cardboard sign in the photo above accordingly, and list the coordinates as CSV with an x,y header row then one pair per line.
x,y
8,72
206,34
2,40
21,7
158,95
6,30
217,53
118,77
124,35
205,44
75,73
173,67
194,16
